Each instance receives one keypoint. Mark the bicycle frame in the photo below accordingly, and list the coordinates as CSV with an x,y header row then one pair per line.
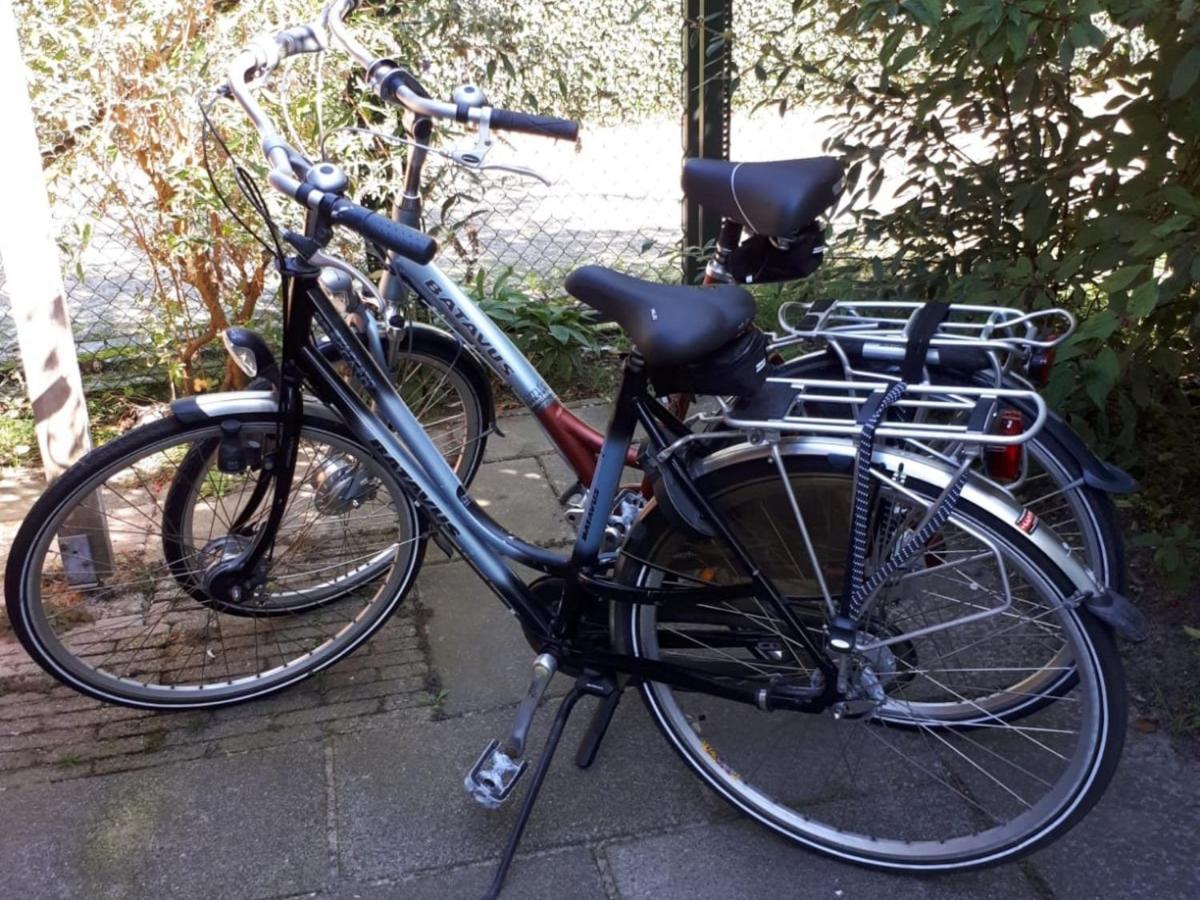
x,y
398,440
578,443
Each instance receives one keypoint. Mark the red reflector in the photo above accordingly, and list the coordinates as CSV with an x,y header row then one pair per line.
x,y
1003,462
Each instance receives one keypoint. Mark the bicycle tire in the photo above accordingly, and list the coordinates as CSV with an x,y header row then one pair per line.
x,y
31,616
691,733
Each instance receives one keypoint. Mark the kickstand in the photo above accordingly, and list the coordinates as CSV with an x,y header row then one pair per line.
x,y
584,686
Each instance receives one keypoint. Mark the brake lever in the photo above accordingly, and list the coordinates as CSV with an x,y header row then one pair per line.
x,y
516,170
468,159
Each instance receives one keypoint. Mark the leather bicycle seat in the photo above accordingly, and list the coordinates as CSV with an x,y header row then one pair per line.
x,y
772,198
669,324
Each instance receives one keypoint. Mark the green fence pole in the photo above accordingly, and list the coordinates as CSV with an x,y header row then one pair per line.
x,y
707,78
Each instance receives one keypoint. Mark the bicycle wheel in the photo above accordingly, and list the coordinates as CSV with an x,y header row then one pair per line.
x,y
447,395
115,621
935,773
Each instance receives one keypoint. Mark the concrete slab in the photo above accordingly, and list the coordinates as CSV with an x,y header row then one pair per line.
x,y
741,859
522,436
1141,840
481,659
518,494
559,875
561,477
19,488
402,808
251,825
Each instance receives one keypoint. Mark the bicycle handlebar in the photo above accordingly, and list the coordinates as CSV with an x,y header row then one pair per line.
x,y
384,74
408,242
259,59
387,78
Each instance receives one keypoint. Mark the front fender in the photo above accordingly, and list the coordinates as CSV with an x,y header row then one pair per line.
x,y
203,407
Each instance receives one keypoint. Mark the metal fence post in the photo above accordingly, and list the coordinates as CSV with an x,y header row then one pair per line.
x,y
35,285
707,78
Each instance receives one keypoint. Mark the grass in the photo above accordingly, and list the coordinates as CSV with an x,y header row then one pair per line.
x,y
68,761
107,411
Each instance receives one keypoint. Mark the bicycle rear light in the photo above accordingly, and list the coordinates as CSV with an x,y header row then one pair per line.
x,y
1041,361
1004,463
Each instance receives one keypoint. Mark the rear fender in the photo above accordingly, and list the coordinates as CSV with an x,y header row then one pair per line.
x,y
1108,606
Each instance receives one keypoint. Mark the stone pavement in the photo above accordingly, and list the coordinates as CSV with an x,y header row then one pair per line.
x,y
350,785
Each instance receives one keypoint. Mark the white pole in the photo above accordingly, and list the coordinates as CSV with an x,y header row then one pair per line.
x,y
33,282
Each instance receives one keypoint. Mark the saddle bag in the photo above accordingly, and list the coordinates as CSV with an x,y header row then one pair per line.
x,y
761,259
737,369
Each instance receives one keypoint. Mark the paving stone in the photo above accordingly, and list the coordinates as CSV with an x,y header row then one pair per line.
x,y
562,477
480,656
246,826
1142,839
402,807
742,859
523,436
560,875
518,495
19,488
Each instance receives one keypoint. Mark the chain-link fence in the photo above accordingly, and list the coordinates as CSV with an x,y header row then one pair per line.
x,y
613,199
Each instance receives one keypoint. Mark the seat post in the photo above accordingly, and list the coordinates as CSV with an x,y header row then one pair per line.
x,y
717,272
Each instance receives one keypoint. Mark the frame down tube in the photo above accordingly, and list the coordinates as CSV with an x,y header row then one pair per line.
x,y
415,460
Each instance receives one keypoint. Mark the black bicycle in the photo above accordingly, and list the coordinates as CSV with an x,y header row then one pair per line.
x,y
830,633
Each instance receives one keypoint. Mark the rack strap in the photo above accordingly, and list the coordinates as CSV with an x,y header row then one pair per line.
x,y
873,414
922,327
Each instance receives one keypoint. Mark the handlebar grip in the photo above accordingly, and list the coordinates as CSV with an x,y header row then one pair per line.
x,y
398,238
544,126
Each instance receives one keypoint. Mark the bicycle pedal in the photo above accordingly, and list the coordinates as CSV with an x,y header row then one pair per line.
x,y
491,780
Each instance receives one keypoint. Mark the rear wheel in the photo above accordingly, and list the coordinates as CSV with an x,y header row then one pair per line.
x,y
954,757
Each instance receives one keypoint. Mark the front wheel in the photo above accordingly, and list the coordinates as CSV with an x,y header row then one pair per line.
x,y
936,766
98,600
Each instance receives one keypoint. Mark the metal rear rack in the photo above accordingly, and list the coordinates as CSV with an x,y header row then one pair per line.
x,y
888,324
926,412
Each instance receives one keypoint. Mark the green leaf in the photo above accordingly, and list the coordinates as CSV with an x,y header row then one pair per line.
x,y
904,57
1085,34
1178,196
1186,73
1122,278
1193,633
1097,327
1100,375
1173,224
1143,299
925,12
1037,216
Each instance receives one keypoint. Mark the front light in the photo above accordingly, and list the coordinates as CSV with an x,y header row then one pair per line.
x,y
243,357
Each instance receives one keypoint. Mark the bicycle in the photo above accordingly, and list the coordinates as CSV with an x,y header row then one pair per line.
x,y
784,198
731,633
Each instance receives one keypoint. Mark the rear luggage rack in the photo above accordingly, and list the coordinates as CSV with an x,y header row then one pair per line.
x,y
880,329
925,412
